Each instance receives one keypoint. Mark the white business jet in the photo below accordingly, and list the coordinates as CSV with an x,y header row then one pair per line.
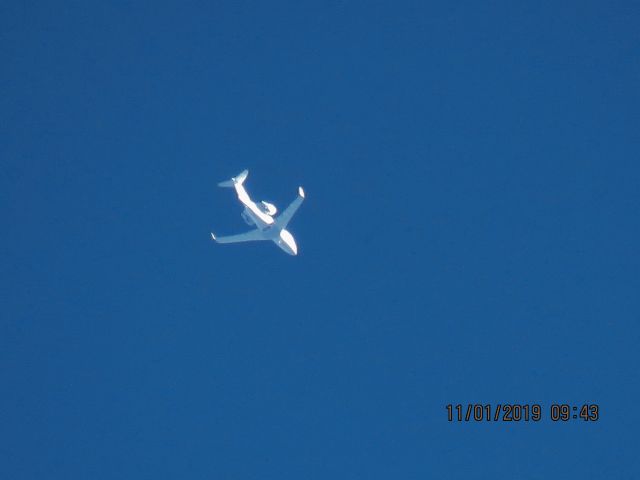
x,y
262,216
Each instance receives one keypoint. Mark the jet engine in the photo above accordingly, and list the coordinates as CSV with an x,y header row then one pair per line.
x,y
247,219
268,208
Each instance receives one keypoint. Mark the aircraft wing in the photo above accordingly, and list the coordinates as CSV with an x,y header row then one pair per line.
x,y
285,217
252,236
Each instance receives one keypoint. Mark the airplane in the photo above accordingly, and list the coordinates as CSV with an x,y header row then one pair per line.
x,y
262,216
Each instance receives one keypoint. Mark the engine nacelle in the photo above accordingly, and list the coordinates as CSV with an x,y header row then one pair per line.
x,y
247,219
268,208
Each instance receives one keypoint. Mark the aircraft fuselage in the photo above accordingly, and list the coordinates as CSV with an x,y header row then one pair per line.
x,y
270,228
262,215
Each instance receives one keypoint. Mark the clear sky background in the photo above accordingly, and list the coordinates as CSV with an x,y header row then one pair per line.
x,y
470,234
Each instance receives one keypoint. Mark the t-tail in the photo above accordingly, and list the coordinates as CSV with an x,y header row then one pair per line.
x,y
237,180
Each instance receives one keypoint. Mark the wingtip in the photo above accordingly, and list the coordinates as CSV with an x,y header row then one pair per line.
x,y
301,192
213,237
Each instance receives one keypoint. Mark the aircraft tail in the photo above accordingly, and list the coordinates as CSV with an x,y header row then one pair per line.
x,y
237,180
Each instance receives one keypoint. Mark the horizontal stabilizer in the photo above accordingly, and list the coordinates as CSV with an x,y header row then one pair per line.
x,y
237,180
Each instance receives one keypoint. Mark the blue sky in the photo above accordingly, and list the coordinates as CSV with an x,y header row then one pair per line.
x,y
470,234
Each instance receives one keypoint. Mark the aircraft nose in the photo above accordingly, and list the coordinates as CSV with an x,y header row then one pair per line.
x,y
287,243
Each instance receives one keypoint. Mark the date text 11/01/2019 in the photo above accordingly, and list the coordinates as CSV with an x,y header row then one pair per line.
x,y
499,412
